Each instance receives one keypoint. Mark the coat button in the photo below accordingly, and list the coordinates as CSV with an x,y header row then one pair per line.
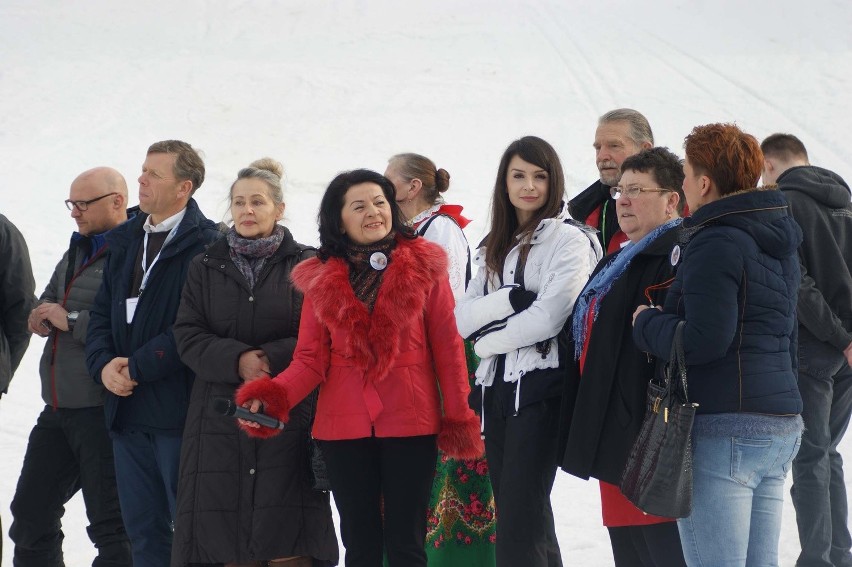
x,y
251,298
251,471
222,266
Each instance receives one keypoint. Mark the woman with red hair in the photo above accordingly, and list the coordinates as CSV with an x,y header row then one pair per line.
x,y
736,288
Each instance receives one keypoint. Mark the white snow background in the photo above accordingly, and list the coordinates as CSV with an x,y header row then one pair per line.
x,y
326,86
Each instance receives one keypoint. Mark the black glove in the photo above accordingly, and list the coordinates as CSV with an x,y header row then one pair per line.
x,y
521,298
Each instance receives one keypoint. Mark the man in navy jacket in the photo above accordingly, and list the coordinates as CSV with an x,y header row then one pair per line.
x,y
819,200
131,349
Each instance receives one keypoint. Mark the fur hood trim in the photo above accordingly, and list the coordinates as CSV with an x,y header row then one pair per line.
x,y
414,267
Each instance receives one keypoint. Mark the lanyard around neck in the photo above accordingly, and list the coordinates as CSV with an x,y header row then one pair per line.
x,y
146,271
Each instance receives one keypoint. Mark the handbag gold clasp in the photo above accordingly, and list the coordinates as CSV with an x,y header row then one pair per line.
x,y
656,407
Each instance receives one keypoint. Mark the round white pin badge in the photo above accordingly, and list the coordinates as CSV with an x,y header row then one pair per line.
x,y
675,256
378,261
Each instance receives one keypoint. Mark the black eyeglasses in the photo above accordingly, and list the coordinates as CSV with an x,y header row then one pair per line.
x,y
84,205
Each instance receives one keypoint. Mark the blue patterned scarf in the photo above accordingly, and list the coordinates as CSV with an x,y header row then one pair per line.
x,y
600,285
250,254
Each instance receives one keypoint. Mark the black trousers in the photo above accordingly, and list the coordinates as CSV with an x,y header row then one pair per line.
x,y
521,452
68,450
656,545
364,471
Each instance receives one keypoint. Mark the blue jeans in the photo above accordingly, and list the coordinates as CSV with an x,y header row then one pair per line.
x,y
738,489
819,492
146,469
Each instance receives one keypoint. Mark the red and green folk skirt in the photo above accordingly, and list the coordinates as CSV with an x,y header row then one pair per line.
x,y
462,522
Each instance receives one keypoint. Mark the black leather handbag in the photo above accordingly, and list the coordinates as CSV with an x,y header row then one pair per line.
x,y
316,463
658,476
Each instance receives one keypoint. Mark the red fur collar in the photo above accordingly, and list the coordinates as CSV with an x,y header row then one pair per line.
x,y
371,338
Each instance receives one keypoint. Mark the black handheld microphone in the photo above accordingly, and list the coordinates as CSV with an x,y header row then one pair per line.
x,y
226,406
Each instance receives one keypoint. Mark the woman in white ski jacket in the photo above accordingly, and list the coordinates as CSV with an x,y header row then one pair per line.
x,y
533,264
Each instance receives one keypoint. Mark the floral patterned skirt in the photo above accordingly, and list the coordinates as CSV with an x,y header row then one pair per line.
x,y
462,523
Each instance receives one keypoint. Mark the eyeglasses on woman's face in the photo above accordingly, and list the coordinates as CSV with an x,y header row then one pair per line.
x,y
633,191
84,205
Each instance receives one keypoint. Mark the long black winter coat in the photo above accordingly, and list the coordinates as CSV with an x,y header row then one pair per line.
x,y
242,499
603,411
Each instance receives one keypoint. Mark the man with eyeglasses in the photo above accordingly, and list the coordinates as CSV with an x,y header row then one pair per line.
x,y
69,449
621,133
131,350
819,200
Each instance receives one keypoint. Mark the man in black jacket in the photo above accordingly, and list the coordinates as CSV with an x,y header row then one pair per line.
x,y
621,133
17,288
69,449
820,202
131,350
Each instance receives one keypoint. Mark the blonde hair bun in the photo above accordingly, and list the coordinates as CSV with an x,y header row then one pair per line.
x,y
268,164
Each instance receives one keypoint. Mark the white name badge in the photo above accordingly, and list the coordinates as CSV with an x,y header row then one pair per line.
x,y
131,308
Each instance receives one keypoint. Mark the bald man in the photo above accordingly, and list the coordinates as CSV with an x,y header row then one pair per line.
x,y
69,448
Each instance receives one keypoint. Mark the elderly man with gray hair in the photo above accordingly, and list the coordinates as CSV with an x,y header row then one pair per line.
x,y
621,133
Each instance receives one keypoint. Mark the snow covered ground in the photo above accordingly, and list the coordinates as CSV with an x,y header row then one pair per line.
x,y
325,86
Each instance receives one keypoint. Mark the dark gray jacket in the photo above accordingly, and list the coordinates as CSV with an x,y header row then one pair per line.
x,y
17,299
65,380
819,201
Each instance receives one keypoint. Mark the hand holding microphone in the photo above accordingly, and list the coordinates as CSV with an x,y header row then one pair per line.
x,y
227,406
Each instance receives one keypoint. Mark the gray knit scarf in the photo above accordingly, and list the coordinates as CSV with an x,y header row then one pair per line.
x,y
249,254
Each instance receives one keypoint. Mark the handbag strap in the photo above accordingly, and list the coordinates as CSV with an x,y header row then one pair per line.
x,y
677,359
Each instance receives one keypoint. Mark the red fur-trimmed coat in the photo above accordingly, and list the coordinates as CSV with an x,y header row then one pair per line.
x,y
384,373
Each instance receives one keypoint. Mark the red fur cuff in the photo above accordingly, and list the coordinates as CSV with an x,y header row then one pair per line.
x,y
461,439
274,398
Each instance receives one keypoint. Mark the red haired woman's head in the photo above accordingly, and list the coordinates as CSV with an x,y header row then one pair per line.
x,y
728,156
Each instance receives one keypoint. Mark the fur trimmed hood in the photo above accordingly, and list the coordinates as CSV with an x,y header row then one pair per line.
x,y
413,268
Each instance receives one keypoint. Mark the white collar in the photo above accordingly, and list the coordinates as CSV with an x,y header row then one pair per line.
x,y
423,215
166,225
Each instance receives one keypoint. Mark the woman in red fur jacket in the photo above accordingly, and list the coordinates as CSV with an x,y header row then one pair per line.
x,y
379,337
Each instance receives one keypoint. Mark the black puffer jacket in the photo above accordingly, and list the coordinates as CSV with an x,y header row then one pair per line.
x,y
241,499
736,287
17,299
819,201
